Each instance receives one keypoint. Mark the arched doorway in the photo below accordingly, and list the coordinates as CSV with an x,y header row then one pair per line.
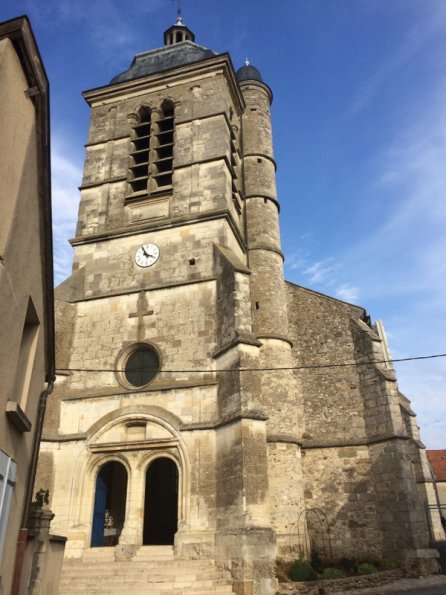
x,y
109,504
161,502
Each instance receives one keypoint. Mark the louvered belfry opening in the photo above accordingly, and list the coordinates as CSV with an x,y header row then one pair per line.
x,y
151,154
163,147
140,153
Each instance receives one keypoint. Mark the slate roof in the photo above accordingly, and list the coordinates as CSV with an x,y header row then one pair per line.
x,y
249,73
165,58
437,459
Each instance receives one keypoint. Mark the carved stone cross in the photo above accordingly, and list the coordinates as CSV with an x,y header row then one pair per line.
x,y
142,309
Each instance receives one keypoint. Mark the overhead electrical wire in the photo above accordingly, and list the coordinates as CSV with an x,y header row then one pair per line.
x,y
277,369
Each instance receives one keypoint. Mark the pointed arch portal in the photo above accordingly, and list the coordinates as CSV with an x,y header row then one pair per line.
x,y
109,504
161,502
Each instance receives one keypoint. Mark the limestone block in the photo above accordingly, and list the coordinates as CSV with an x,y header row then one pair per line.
x,y
202,140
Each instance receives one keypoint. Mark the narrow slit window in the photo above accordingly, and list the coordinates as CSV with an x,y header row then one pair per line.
x,y
27,354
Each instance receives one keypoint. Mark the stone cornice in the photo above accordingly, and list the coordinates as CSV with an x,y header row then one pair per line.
x,y
311,444
131,291
168,78
103,182
265,197
239,340
155,387
276,338
146,227
267,248
263,155
283,439
184,427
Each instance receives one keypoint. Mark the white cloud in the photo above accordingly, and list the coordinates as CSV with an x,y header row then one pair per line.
x,y
426,381
406,252
420,35
321,271
66,176
347,293
295,261
110,24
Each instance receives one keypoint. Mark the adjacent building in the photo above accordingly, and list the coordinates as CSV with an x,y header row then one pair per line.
x,y
204,404
437,460
26,283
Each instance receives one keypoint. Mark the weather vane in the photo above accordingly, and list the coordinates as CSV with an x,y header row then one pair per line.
x,y
178,9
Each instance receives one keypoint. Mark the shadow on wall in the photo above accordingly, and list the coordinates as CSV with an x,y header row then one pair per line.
x,y
371,518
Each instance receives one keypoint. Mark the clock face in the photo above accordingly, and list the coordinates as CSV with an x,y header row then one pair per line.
x,y
146,255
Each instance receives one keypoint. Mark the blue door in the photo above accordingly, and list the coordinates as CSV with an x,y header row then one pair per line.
x,y
100,500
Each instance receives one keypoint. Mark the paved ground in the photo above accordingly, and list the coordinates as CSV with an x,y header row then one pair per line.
x,y
430,585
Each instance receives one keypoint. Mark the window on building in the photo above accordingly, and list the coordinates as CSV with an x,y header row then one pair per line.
x,y
141,366
27,354
137,365
140,161
163,147
7,483
235,166
151,156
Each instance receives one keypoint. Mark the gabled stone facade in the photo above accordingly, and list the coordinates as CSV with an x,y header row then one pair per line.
x,y
271,428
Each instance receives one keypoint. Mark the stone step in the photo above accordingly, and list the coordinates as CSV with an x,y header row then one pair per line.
x,y
98,553
153,591
154,552
178,566
153,571
120,585
165,589
143,576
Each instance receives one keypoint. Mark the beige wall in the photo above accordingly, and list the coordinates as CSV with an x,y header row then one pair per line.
x,y
23,362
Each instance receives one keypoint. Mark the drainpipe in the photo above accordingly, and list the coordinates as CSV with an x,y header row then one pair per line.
x,y
23,532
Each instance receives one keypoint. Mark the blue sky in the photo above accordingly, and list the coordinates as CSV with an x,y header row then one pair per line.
x,y
359,118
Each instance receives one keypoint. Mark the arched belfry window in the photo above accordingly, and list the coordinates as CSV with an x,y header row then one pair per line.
x,y
151,153
140,153
163,147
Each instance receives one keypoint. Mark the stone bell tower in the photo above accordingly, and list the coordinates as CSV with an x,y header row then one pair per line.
x,y
165,425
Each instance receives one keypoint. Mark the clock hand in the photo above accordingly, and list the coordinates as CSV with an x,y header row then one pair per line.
x,y
145,253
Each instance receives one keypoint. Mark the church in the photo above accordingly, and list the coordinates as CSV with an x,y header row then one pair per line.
x,y
206,411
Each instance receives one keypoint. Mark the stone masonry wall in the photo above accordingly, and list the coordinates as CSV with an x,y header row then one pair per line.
x,y
338,483
336,463
319,327
285,496
358,455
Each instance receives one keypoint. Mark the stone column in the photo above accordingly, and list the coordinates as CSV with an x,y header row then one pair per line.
x,y
39,528
132,532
